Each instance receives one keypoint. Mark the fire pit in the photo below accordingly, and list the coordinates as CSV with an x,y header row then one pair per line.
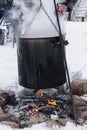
x,y
45,105
39,107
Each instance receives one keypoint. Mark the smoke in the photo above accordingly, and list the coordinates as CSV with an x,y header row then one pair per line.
x,y
22,14
29,11
32,21
13,17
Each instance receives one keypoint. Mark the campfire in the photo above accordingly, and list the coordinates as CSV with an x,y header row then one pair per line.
x,y
38,107
28,106
44,105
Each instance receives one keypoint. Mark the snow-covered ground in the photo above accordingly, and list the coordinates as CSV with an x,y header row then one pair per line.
x,y
76,51
69,126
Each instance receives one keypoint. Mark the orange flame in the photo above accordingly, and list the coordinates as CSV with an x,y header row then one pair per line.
x,y
51,102
36,109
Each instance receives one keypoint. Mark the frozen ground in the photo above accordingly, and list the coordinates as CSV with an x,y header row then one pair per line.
x,y
77,61
77,49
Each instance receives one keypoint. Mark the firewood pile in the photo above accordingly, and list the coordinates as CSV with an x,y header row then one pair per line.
x,y
48,106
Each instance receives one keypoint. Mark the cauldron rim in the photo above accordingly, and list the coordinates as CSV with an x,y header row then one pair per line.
x,y
41,38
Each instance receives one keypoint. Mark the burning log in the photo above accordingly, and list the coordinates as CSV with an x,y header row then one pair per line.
x,y
47,109
40,101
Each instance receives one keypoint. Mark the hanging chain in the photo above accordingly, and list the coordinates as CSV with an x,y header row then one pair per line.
x,y
35,16
41,6
50,19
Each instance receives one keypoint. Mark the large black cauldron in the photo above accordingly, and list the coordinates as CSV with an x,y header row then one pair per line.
x,y
40,63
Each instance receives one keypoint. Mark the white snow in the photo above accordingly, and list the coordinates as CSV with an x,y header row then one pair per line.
x,y
77,49
42,126
77,59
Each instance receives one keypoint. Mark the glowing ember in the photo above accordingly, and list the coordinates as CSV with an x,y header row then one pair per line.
x,y
40,93
37,110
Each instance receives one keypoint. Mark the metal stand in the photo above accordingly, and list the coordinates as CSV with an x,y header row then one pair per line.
x,y
65,64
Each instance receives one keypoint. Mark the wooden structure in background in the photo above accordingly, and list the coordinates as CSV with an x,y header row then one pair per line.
x,y
80,11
